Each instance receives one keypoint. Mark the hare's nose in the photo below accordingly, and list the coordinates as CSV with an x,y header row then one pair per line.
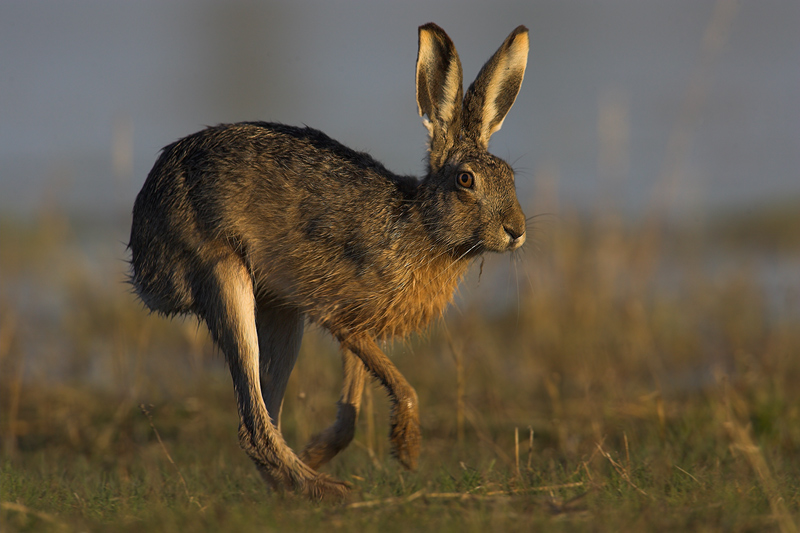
x,y
514,233
517,235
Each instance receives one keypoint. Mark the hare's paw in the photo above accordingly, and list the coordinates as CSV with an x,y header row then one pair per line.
x,y
320,449
406,434
303,480
324,446
317,452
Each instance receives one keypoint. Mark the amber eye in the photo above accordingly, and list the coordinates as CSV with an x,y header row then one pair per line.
x,y
465,179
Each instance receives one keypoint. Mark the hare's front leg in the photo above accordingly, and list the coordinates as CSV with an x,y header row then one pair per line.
x,y
324,446
228,307
405,433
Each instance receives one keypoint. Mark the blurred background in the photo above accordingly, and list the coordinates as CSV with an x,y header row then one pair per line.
x,y
653,314
657,138
620,95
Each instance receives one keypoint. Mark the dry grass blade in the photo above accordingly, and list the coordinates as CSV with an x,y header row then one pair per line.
x,y
541,488
742,442
621,470
474,418
530,447
458,359
490,495
19,508
687,473
149,417
385,501
569,506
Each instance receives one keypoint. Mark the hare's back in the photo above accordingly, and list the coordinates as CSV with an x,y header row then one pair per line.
x,y
260,192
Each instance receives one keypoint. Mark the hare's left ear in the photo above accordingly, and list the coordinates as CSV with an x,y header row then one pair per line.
x,y
494,91
439,91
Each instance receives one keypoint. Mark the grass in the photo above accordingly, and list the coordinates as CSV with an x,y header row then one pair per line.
x,y
632,383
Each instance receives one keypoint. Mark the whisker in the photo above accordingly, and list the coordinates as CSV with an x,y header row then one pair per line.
x,y
516,280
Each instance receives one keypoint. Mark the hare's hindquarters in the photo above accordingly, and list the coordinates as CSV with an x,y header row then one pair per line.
x,y
170,256
180,266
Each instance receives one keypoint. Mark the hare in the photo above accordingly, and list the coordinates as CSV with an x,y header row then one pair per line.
x,y
258,227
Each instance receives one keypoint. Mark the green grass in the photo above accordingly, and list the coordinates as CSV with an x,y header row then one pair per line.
x,y
661,392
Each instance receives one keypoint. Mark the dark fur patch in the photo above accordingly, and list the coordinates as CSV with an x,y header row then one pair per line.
x,y
355,251
311,229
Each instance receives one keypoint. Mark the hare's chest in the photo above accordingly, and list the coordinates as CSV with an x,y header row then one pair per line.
x,y
390,302
419,297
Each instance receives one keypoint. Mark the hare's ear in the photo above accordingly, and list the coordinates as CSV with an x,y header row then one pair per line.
x,y
493,92
439,90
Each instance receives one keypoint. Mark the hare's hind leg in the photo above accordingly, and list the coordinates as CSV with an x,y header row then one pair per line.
x,y
229,311
324,446
280,332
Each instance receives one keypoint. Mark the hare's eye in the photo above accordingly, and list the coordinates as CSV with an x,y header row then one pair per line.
x,y
465,179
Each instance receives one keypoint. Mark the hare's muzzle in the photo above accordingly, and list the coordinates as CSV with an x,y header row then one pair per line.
x,y
514,225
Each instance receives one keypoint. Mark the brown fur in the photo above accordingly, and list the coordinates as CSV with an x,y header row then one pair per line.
x,y
257,227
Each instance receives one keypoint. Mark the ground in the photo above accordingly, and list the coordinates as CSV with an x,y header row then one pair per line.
x,y
633,377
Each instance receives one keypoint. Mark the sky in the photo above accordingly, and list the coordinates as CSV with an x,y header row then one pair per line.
x,y
695,103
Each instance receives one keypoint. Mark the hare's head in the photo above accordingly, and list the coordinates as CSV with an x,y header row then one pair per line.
x,y
470,202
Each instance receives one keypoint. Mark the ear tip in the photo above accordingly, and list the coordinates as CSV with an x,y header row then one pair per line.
x,y
433,35
431,26
519,31
519,37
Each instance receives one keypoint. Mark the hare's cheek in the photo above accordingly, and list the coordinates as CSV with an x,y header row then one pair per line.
x,y
467,197
495,237
472,216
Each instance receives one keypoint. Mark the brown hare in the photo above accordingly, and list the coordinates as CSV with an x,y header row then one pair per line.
x,y
257,227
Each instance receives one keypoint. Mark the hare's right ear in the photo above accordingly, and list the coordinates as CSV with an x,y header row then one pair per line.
x,y
493,92
439,91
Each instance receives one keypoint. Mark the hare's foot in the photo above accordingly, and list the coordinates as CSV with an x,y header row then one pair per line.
x,y
405,434
324,446
283,470
302,480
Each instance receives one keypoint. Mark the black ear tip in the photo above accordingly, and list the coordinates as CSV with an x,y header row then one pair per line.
x,y
431,26
438,37
518,31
